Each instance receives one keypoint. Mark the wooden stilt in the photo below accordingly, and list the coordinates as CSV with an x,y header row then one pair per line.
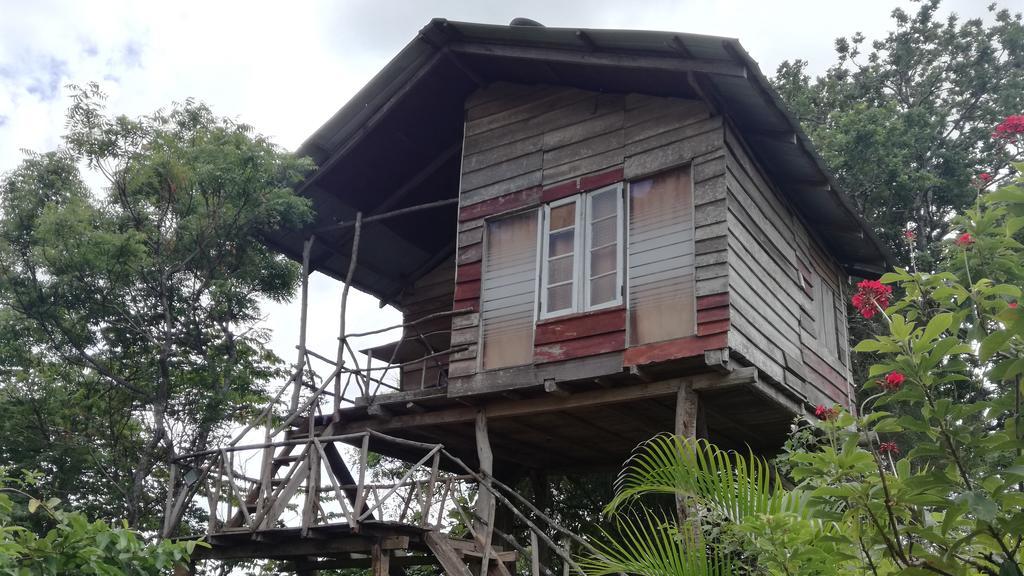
x,y
380,560
686,427
485,499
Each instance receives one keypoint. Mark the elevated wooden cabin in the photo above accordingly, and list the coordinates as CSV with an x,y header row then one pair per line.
x,y
640,236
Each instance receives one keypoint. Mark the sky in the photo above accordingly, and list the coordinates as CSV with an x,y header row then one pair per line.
x,y
286,66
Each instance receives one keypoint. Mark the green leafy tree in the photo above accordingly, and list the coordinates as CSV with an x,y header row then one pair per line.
x,y
129,314
40,537
928,479
904,121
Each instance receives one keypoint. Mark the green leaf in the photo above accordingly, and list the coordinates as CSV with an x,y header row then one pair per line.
x,y
937,325
979,504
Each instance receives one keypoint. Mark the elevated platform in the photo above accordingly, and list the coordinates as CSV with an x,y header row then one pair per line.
x,y
585,424
384,546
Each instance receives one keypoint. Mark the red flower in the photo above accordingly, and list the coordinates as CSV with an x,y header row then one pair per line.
x,y
909,234
1013,305
964,240
1009,129
889,448
871,295
985,177
824,413
893,381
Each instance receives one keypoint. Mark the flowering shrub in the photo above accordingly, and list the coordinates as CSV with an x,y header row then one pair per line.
x,y
929,479
1011,128
872,297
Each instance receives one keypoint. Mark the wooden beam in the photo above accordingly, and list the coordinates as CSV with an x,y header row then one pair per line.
x,y
286,547
551,386
484,498
603,59
510,409
445,554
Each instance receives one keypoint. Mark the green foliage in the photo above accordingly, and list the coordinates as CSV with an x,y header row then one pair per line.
x,y
928,480
904,121
128,314
41,538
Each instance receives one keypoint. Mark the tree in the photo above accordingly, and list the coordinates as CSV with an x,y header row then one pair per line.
x,y
928,480
904,122
40,537
130,314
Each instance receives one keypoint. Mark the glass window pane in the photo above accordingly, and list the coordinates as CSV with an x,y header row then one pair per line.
x,y
563,216
560,269
604,232
561,243
602,290
559,298
604,204
603,260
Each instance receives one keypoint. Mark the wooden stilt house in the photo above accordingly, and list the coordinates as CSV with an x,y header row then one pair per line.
x,y
594,236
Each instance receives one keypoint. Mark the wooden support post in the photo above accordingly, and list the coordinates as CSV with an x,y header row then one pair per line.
x,y
342,342
686,411
534,554
300,364
686,427
380,559
542,499
484,499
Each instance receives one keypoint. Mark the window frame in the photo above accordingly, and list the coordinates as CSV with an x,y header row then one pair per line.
x,y
582,243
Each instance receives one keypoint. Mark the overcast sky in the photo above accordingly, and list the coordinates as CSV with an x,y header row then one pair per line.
x,y
286,66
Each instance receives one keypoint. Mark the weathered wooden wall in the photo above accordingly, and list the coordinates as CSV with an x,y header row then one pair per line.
x,y
754,261
773,316
526,145
430,294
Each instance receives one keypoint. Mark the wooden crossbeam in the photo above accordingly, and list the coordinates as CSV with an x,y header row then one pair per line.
x,y
514,408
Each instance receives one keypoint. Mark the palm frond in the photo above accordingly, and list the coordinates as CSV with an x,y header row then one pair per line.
x,y
650,544
732,484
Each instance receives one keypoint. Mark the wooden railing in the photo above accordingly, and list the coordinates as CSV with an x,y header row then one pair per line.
x,y
298,475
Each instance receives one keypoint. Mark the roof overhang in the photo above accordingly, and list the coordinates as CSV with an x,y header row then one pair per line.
x,y
397,142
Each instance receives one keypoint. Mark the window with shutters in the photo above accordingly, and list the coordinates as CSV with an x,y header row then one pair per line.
x,y
825,312
581,253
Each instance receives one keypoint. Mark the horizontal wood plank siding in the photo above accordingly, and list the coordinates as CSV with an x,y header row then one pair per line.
x,y
526,145
431,294
769,246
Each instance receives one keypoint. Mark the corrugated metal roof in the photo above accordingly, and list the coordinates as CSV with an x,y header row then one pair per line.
x,y
393,129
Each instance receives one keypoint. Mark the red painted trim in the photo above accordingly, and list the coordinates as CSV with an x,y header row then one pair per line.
x,y
582,184
473,304
588,346
467,290
469,271
713,327
595,181
580,326
559,191
712,314
673,349
504,203
713,301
